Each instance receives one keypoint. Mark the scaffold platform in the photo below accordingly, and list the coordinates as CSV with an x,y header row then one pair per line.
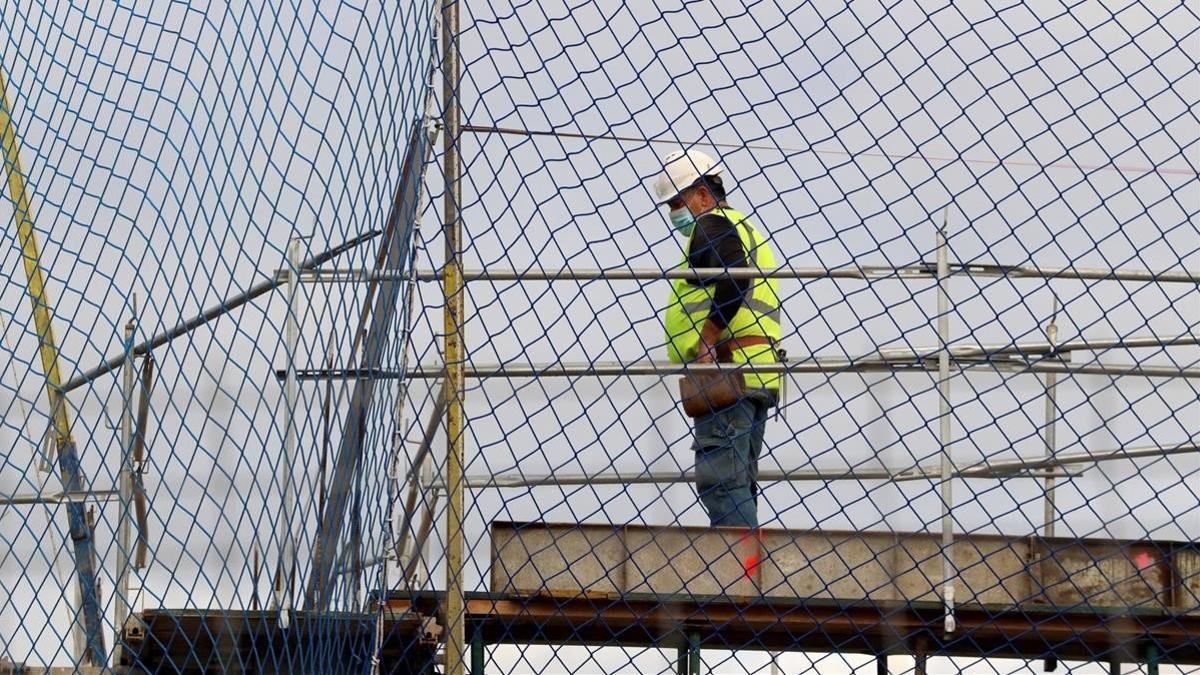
x,y
783,590
822,591
253,641
241,641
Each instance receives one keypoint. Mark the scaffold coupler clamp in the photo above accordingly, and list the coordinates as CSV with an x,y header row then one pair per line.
x,y
948,599
781,356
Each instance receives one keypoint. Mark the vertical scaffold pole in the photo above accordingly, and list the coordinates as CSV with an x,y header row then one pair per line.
x,y
69,470
455,371
283,590
1051,436
688,662
125,490
478,650
943,327
1152,658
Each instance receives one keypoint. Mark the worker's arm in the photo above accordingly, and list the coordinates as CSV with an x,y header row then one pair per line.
x,y
716,244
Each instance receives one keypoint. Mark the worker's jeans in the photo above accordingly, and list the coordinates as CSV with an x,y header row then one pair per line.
x,y
728,443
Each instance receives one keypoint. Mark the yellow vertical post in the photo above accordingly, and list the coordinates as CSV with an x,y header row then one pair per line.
x,y
454,354
68,459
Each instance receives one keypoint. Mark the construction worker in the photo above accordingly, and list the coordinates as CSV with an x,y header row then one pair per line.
x,y
726,320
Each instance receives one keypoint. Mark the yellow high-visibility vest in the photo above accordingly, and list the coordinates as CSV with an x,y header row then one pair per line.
x,y
689,304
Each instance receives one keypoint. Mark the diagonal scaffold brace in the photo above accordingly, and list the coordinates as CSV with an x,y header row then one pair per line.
x,y
396,252
67,454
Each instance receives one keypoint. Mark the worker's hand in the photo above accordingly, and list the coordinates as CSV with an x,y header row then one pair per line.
x,y
709,335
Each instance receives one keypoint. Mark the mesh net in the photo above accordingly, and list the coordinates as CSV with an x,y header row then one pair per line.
x,y
983,466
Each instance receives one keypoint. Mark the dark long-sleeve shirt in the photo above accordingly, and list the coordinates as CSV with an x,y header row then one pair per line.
x,y
716,243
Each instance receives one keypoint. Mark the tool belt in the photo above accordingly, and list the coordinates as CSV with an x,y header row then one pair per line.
x,y
705,393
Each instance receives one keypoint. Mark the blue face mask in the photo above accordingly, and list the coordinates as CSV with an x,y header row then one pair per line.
x,y
683,220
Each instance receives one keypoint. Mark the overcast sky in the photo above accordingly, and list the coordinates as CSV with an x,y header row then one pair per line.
x,y
173,149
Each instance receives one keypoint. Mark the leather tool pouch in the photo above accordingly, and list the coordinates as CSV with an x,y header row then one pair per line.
x,y
705,393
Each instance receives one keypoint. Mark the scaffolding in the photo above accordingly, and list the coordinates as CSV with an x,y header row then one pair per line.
x,y
389,545
537,593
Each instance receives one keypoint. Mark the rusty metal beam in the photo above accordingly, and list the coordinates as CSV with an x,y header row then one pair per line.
x,y
819,625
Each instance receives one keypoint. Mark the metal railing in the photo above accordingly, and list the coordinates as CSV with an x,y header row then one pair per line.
x,y
1049,358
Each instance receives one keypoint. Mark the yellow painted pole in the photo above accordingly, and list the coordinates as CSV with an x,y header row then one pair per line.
x,y
31,258
456,646
68,459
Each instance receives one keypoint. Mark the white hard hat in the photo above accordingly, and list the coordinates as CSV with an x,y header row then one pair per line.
x,y
681,169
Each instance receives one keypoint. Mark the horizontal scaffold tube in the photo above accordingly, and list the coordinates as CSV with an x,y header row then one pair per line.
x,y
58,497
864,273
211,314
831,365
1037,468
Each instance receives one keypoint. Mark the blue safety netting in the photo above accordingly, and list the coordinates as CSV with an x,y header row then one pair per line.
x,y
171,153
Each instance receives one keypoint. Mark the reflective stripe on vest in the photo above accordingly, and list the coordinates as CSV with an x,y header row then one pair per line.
x,y
755,305
689,305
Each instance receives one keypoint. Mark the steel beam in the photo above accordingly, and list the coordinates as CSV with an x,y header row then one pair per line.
x,y
821,624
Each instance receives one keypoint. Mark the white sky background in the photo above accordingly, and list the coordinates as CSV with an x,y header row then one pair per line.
x,y
249,125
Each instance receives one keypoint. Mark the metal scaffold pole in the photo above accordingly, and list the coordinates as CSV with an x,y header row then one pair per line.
x,y
454,355
70,472
947,463
1049,434
125,489
283,581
